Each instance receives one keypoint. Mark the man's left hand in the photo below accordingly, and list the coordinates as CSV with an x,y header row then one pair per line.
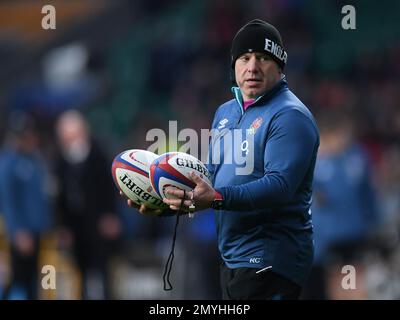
x,y
201,196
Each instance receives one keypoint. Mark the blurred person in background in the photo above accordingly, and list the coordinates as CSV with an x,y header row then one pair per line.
x,y
344,207
24,203
86,205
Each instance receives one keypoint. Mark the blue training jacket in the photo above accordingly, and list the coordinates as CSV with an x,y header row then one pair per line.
x,y
266,222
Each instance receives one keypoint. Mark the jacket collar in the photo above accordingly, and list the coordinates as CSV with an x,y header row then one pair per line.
x,y
261,99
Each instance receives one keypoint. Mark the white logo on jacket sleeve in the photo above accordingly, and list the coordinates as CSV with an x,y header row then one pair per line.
x,y
222,123
255,260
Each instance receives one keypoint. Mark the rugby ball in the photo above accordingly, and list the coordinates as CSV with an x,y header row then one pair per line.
x,y
172,169
130,171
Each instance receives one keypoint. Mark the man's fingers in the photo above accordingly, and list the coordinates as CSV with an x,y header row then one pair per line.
x,y
195,178
177,202
132,204
143,209
174,192
150,212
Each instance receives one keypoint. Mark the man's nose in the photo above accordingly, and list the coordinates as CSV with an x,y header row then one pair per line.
x,y
252,65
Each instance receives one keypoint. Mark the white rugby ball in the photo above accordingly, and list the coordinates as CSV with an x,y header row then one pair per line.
x,y
130,170
172,169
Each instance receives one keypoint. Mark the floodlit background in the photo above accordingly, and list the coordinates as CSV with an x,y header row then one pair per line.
x,y
130,66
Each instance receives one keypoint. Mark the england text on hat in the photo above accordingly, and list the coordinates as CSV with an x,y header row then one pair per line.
x,y
275,49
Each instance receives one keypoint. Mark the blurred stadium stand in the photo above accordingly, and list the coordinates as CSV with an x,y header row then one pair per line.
x,y
143,63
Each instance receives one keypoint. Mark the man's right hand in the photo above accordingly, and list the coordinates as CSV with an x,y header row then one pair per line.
x,y
141,208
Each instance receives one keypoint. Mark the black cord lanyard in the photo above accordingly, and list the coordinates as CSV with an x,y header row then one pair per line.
x,y
168,265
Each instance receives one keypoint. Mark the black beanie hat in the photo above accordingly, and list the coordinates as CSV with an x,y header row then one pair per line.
x,y
259,36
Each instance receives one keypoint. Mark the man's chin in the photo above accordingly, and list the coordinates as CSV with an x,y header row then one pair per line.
x,y
253,94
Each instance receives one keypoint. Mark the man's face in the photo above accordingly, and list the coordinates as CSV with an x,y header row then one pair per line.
x,y
255,74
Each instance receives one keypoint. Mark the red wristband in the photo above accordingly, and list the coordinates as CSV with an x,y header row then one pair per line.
x,y
218,196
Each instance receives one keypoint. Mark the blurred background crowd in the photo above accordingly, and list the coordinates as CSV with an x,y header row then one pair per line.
x,y
74,97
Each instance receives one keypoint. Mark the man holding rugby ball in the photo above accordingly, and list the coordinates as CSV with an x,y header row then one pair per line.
x,y
263,218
